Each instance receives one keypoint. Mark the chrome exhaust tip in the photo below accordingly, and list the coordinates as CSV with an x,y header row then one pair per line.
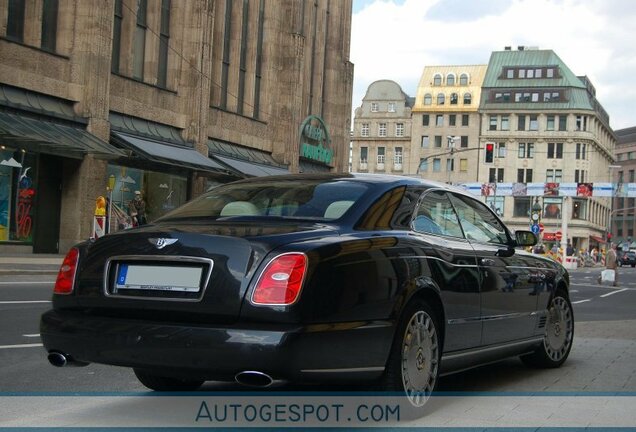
x,y
253,379
57,359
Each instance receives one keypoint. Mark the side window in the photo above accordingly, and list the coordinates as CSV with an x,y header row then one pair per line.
x,y
478,222
435,215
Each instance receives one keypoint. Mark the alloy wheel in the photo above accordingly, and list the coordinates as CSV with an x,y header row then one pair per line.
x,y
559,329
420,358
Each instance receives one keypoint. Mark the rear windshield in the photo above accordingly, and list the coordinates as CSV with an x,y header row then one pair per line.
x,y
294,199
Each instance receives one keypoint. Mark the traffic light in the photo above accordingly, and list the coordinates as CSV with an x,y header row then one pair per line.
x,y
609,236
490,153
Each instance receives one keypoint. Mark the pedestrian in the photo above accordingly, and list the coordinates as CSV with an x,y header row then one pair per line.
x,y
594,255
137,209
611,263
569,251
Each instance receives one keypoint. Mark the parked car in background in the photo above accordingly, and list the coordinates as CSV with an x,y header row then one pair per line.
x,y
627,258
331,277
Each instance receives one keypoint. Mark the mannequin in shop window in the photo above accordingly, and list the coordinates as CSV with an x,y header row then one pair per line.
x,y
137,210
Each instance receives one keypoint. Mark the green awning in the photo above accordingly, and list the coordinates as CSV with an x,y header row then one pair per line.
x,y
39,136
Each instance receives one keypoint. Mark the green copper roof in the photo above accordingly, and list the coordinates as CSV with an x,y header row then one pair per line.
x,y
576,93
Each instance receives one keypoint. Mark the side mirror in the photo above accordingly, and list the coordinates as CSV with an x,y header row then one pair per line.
x,y
525,238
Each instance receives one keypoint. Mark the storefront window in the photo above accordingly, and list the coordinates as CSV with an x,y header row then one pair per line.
x,y
160,192
17,195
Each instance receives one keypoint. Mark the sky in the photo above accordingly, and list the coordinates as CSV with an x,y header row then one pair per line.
x,y
396,39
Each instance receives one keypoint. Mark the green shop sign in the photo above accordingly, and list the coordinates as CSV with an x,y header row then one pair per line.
x,y
315,142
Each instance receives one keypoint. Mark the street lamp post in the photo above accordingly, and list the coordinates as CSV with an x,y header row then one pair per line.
x,y
451,164
535,216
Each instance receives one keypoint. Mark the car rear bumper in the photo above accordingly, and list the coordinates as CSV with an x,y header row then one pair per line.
x,y
315,353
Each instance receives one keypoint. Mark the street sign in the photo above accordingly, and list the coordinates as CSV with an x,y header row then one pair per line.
x,y
558,235
535,229
540,227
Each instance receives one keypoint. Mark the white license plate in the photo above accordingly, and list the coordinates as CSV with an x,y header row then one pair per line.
x,y
158,278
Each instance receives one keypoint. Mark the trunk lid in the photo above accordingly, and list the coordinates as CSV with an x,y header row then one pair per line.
x,y
133,274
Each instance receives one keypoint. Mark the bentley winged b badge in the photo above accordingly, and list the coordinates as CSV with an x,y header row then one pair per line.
x,y
160,243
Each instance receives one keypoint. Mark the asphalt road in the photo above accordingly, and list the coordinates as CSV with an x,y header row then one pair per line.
x,y
25,369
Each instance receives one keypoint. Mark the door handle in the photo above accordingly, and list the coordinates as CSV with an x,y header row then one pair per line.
x,y
487,262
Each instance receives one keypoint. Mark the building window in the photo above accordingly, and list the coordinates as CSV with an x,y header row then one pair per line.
x,y
510,73
465,119
164,43
463,165
524,175
521,122
375,107
381,156
439,120
496,204
139,43
364,154
464,141
453,98
521,207
580,151
441,99
552,208
397,158
437,80
505,123
18,191
554,176
425,120
15,20
534,123
49,25
563,123
555,150
579,176
365,130
501,150
521,150
391,107
382,130
463,79
450,79
423,165
425,141
468,98
428,99
496,175
450,165
549,123
438,141
437,165
581,123
526,150
578,208
452,119
492,124
399,129
115,56
549,73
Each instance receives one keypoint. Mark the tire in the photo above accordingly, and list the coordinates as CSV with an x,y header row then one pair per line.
x,y
414,361
559,335
161,383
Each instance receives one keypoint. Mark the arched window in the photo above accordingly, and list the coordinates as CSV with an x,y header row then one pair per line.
x,y
450,79
454,97
437,80
468,98
428,99
463,79
440,99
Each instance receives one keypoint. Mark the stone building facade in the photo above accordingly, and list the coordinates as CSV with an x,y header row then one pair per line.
x,y
107,97
382,130
545,124
623,222
445,138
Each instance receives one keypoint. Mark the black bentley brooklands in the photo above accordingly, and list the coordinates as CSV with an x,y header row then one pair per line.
x,y
310,278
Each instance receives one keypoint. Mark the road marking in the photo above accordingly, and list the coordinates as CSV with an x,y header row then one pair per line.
x,y
614,292
27,282
32,335
25,302
20,346
581,301
574,291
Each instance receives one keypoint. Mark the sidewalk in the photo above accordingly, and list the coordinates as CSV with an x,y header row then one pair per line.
x,y
30,264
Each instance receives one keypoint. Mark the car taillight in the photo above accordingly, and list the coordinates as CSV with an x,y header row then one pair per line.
x,y
281,281
66,276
